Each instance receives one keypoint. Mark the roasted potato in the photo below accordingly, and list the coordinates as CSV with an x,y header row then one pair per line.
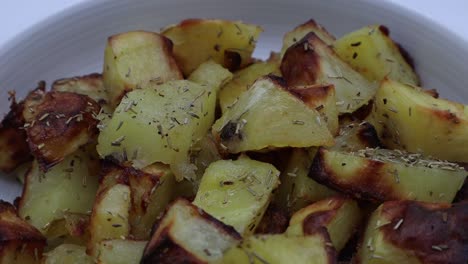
x,y
297,190
416,232
339,215
372,52
356,136
57,124
274,221
382,175
134,58
120,251
229,43
311,61
300,31
69,187
279,249
267,115
186,234
21,243
407,117
67,253
237,192
71,229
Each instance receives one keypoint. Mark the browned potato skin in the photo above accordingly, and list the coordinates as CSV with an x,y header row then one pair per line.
x,y
91,85
274,221
14,149
59,123
425,226
18,239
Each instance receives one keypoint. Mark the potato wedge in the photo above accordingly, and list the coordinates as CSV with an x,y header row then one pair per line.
x,y
69,186
120,251
300,31
57,124
21,243
212,75
321,98
408,118
372,52
383,175
279,249
356,136
134,58
229,43
237,192
186,234
67,253
110,217
242,80
297,190
268,106
311,61
339,215
415,232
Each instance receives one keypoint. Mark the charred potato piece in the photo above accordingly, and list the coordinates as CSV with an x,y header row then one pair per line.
x,y
279,249
120,251
110,216
372,52
415,233
406,117
300,31
339,215
356,136
134,58
67,253
186,234
268,106
57,124
229,43
297,190
70,186
383,175
274,221
21,243
242,80
311,61
175,115
237,192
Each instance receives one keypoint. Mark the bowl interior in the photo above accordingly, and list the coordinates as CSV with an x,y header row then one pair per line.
x,y
72,42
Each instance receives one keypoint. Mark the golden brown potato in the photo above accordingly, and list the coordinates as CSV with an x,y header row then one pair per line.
x,y
134,58
406,117
14,149
382,175
229,43
57,124
310,61
416,233
21,243
186,234
339,215
300,31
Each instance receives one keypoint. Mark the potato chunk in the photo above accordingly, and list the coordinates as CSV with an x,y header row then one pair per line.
x,y
415,233
237,192
20,243
70,186
356,136
267,115
229,43
383,175
339,215
67,253
372,52
134,58
300,31
297,190
279,249
120,251
187,234
408,118
311,61
57,124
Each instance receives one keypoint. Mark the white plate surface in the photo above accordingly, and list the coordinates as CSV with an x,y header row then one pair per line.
x,y
72,42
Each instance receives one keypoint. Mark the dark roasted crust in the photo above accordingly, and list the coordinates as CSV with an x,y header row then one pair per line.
x,y
426,226
55,128
274,221
93,82
311,23
332,254
313,93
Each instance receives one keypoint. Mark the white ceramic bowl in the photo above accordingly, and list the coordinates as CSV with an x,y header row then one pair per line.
x,y
72,42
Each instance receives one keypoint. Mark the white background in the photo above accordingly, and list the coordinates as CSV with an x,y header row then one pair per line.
x,y
18,15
